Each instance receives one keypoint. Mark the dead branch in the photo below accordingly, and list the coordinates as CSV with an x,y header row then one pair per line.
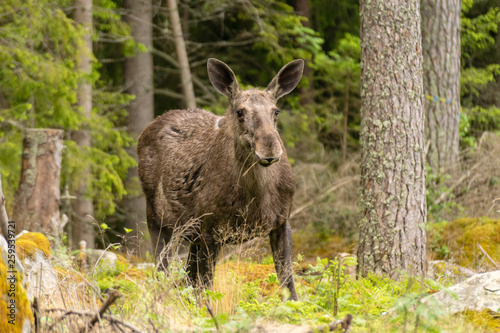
x,y
345,323
487,255
324,194
445,194
116,320
113,296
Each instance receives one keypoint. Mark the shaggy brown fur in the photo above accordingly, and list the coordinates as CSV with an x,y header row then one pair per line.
x,y
231,174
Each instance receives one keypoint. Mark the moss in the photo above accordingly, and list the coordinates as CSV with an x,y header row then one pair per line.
x,y
485,320
22,304
460,238
29,243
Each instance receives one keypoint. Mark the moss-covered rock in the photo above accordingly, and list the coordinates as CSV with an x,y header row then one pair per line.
x,y
34,250
27,244
458,241
15,308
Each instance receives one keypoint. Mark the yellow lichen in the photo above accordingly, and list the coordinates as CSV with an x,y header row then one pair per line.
x,y
12,294
29,243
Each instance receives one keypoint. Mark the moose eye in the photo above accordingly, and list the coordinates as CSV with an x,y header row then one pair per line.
x,y
276,112
239,112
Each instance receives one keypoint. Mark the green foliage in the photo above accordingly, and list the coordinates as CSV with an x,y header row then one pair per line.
x,y
480,68
39,81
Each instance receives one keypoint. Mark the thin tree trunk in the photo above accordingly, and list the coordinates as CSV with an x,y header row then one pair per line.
x,y
37,201
392,205
138,77
441,63
306,94
346,114
82,228
180,47
4,218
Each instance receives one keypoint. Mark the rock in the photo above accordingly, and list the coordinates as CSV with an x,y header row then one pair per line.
x,y
41,277
482,291
104,260
15,308
442,269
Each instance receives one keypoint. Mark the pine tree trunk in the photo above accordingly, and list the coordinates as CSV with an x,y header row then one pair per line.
x,y
37,201
138,77
441,63
82,221
392,204
180,47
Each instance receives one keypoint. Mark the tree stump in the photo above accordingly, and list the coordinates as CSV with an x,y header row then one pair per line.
x,y
37,200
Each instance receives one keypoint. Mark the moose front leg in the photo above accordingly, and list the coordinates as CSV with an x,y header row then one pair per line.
x,y
281,245
201,262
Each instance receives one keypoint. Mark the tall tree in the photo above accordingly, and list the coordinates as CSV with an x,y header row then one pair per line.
x,y
82,228
138,78
392,205
303,8
37,199
441,63
180,47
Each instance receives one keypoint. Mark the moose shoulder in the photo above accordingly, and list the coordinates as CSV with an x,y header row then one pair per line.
x,y
224,179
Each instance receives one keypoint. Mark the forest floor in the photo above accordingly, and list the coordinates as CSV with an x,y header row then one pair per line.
x,y
246,295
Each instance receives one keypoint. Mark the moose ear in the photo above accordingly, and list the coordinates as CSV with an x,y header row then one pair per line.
x,y
286,79
222,78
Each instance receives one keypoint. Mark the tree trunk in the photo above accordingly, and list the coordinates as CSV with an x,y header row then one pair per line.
x,y
4,218
82,223
37,201
138,77
441,63
392,205
346,114
306,94
180,47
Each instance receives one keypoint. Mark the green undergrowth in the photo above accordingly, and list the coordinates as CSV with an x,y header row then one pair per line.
x,y
247,294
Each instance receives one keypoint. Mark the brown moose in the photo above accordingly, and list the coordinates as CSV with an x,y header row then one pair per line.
x,y
230,174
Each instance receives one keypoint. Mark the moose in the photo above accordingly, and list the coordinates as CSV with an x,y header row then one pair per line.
x,y
230,174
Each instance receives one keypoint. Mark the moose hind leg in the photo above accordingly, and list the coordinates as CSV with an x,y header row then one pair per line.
x,y
160,237
281,245
201,262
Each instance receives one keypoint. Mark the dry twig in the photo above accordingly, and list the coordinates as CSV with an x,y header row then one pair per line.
x,y
113,296
487,255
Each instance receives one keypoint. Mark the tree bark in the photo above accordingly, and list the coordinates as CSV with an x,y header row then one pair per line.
x,y
83,208
4,218
392,205
138,77
346,115
180,47
441,63
37,200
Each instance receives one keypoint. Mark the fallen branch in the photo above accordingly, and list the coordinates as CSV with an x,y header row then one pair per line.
x,y
445,194
322,195
113,296
487,256
110,318
345,323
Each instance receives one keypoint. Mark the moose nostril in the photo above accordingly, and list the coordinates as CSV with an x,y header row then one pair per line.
x,y
268,161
